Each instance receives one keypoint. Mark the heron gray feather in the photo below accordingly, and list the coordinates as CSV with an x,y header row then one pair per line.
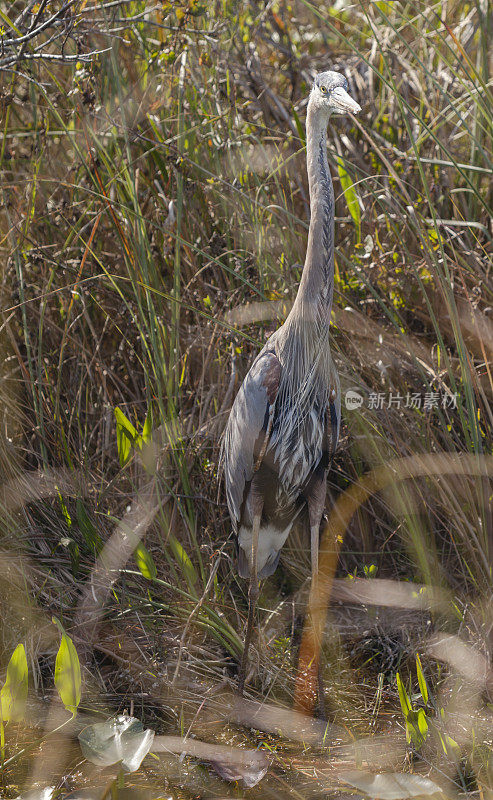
x,y
284,424
247,427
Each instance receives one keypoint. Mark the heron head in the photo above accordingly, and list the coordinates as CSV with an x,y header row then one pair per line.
x,y
330,93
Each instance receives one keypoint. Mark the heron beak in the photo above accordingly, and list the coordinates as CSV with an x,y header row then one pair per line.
x,y
343,102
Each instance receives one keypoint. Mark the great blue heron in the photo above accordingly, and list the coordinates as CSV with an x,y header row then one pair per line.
x,y
283,426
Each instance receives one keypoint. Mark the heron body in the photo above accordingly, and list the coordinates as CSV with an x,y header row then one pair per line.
x,y
283,427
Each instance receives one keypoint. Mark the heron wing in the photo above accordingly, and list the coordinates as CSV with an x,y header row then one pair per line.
x,y
248,428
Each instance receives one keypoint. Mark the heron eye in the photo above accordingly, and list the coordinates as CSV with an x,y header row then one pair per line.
x,y
323,89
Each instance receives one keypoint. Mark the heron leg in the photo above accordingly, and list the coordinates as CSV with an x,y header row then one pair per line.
x,y
253,592
315,516
314,547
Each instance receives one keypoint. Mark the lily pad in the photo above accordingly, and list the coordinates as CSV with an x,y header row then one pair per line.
x,y
390,785
121,739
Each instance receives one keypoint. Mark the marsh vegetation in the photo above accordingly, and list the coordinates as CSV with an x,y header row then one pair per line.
x,y
153,227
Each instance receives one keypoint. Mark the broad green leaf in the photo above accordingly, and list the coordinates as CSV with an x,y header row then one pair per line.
x,y
350,194
416,727
126,436
147,429
422,723
184,562
145,562
13,695
423,688
68,679
403,696
125,423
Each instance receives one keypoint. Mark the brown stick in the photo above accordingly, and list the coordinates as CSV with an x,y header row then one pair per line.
x,y
429,464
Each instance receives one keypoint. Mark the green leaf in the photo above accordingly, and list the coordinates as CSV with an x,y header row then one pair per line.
x,y
145,562
67,517
126,436
350,195
299,126
450,746
68,679
423,688
416,727
13,695
403,696
9,22
184,562
422,723
147,429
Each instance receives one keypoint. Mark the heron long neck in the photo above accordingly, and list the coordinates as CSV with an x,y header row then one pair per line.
x,y
303,340
316,288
